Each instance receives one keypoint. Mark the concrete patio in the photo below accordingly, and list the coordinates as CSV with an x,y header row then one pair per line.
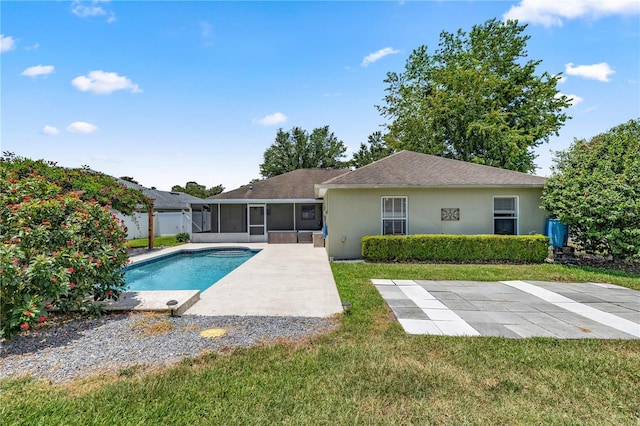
x,y
280,280
514,309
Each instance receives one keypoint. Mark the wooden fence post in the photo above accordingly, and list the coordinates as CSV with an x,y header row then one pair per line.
x,y
150,218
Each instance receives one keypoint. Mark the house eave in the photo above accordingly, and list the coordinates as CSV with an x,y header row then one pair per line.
x,y
321,189
257,201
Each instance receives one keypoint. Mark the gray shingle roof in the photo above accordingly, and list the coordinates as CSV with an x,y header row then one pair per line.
x,y
407,168
164,200
296,185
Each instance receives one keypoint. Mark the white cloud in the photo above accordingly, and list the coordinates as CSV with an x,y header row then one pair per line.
x,y
376,56
34,46
205,29
50,130
37,70
81,127
7,43
103,83
573,99
272,119
553,12
92,9
598,72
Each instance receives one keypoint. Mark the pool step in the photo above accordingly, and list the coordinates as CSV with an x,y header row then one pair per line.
x,y
153,301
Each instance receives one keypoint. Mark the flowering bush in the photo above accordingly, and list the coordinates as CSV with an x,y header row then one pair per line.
x,y
57,251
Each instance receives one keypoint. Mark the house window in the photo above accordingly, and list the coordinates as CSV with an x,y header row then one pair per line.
x,y
308,211
505,215
394,215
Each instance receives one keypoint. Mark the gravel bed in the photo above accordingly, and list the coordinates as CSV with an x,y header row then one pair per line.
x,y
82,347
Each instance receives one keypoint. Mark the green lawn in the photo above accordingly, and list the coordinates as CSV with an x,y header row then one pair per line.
x,y
368,372
165,241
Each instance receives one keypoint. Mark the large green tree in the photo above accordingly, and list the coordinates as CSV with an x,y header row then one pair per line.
x,y
476,98
595,189
297,149
375,149
197,190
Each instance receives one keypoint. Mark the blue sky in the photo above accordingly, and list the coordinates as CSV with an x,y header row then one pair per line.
x,y
169,92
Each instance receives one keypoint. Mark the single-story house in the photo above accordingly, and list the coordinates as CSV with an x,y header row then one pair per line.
x,y
404,193
412,193
281,209
171,213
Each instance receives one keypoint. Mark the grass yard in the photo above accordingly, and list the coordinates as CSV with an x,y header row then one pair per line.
x,y
367,372
165,241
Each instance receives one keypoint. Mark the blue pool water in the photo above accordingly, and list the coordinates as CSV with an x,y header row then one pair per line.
x,y
185,271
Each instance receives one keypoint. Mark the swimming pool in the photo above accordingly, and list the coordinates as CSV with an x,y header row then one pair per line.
x,y
185,270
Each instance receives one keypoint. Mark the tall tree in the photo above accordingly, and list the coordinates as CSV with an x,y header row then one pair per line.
x,y
375,149
197,190
476,98
297,149
594,189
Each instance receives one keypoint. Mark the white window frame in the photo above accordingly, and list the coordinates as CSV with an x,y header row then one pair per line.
x,y
504,214
404,217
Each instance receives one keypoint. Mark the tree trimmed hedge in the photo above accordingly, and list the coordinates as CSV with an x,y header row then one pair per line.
x,y
456,248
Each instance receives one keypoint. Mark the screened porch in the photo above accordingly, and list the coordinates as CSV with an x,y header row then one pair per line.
x,y
255,222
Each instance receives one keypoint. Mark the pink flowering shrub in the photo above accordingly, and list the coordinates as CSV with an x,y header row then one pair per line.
x,y
57,251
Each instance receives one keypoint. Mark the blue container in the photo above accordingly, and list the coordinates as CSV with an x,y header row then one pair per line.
x,y
558,232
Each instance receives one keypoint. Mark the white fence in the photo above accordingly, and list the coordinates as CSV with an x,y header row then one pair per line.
x,y
164,223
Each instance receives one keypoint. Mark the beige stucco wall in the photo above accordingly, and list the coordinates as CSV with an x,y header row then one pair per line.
x,y
351,214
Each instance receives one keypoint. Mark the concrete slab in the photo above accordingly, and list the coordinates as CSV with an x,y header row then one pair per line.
x,y
458,304
416,293
409,313
530,330
518,309
389,292
493,329
281,280
153,301
456,328
401,303
475,316
412,326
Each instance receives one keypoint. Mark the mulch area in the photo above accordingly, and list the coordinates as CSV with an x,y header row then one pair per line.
x,y
601,262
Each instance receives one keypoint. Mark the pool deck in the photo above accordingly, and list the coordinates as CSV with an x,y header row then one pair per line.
x,y
281,280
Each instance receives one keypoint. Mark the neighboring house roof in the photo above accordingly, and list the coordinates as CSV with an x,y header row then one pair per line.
x,y
296,185
413,169
164,200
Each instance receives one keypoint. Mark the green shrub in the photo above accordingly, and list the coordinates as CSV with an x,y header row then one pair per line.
x,y
456,248
594,189
183,237
57,251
